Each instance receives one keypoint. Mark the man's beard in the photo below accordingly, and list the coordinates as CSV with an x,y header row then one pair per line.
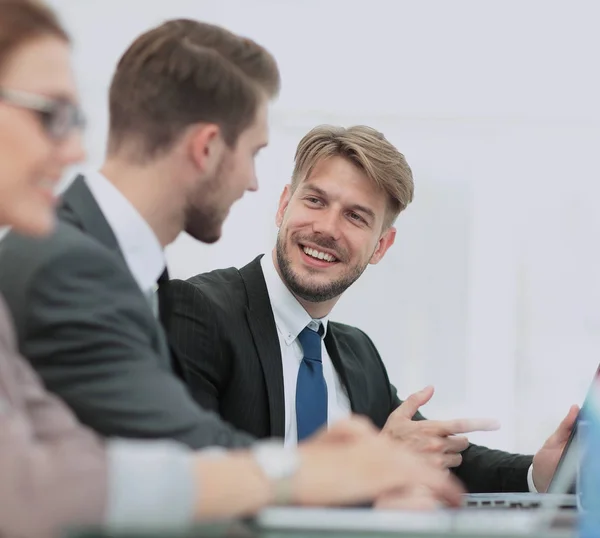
x,y
303,288
204,222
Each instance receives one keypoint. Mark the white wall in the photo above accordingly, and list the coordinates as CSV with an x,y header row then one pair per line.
x,y
491,292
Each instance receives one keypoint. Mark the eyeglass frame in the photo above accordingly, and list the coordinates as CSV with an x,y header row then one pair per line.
x,y
48,109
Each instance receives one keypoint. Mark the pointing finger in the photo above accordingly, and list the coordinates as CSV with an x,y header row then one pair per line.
x,y
467,425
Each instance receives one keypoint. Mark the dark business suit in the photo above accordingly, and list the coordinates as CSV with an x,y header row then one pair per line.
x,y
224,331
90,333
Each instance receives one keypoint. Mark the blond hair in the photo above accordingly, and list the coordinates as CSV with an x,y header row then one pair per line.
x,y
369,150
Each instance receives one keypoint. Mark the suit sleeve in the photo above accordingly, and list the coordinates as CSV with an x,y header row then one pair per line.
x,y
54,472
484,470
88,337
194,334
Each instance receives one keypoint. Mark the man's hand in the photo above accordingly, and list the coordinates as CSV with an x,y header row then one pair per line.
x,y
352,463
546,460
348,429
418,498
434,437
348,464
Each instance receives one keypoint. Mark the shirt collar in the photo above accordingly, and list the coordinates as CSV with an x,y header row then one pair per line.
x,y
138,243
290,316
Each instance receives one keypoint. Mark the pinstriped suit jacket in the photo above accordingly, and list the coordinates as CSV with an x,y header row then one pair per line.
x,y
225,334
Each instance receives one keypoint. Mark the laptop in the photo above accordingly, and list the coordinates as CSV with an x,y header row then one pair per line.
x,y
561,490
359,522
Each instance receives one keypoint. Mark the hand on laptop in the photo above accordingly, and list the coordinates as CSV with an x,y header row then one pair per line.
x,y
546,459
351,463
346,465
418,498
434,437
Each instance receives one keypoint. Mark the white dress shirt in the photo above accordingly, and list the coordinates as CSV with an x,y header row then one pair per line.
x,y
290,319
141,249
530,482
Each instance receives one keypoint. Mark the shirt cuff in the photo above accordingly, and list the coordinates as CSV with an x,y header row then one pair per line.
x,y
530,483
150,484
212,452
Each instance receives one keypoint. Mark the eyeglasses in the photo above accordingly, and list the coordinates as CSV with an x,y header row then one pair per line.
x,y
59,117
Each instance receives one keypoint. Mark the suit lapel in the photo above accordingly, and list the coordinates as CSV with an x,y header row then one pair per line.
x,y
349,368
264,332
79,208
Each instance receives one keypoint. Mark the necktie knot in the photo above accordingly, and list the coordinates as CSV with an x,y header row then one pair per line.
x,y
163,278
310,341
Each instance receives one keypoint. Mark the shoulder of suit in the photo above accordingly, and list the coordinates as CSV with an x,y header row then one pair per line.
x,y
66,242
220,279
342,330
220,285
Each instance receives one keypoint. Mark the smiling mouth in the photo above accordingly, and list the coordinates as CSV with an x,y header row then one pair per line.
x,y
318,255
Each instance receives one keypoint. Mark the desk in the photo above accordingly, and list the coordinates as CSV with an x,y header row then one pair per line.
x,y
247,530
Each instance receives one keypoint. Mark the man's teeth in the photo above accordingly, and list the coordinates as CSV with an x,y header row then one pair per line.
x,y
318,254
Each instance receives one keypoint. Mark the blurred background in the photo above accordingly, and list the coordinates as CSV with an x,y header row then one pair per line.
x,y
492,290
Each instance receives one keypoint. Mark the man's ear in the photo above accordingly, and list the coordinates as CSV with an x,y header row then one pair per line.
x,y
385,241
206,147
284,200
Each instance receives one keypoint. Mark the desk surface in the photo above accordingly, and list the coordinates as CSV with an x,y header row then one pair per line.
x,y
247,530
356,523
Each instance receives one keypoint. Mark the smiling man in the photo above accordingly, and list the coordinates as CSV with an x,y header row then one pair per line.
x,y
257,343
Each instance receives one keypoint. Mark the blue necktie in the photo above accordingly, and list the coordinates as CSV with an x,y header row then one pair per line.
x,y
311,390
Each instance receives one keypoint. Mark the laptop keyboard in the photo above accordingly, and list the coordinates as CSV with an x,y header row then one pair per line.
x,y
527,505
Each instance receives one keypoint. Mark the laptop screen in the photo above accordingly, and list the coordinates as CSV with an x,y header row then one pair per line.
x,y
569,459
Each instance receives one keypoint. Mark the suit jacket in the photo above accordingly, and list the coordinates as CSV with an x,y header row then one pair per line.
x,y
224,331
54,471
91,335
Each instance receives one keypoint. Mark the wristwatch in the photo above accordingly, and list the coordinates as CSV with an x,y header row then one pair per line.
x,y
279,464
